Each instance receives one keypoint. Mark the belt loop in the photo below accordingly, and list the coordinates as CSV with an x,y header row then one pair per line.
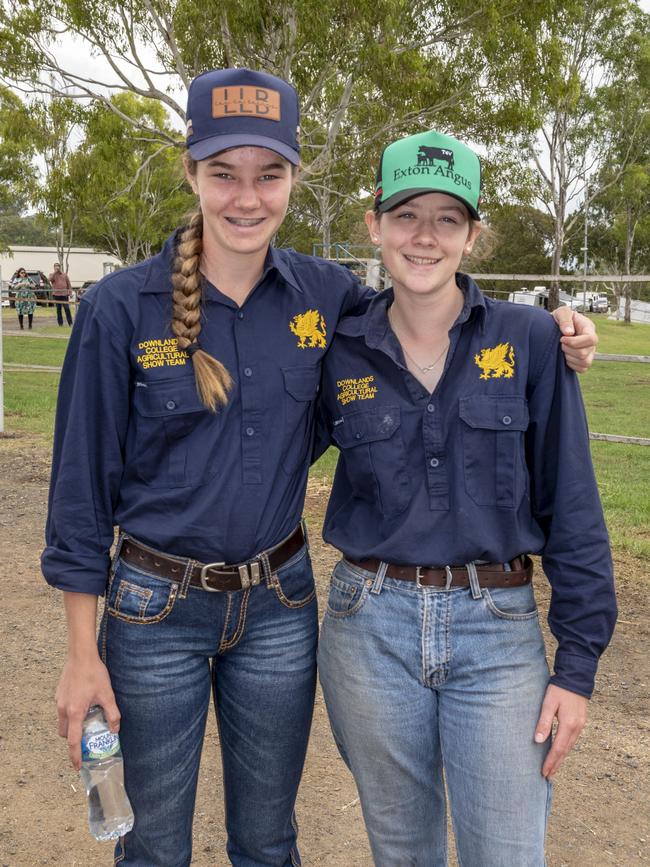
x,y
116,553
473,580
378,583
185,580
266,569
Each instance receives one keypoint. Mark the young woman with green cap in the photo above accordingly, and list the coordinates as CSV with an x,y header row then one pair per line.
x,y
464,448
185,418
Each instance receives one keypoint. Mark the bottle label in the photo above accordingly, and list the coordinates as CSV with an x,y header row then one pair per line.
x,y
100,745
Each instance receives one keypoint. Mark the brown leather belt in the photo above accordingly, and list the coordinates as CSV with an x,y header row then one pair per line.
x,y
489,574
215,577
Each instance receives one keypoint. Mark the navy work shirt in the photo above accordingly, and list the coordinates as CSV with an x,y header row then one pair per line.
x,y
493,464
135,447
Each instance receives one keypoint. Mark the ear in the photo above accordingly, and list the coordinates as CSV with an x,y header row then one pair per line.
x,y
373,226
191,180
474,232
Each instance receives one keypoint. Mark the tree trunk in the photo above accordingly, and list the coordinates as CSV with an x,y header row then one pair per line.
x,y
558,243
627,288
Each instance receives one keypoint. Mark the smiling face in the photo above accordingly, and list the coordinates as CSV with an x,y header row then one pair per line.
x,y
244,195
423,241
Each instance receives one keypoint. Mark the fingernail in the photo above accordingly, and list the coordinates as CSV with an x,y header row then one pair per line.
x,y
539,738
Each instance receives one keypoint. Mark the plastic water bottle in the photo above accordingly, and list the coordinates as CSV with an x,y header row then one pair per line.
x,y
102,771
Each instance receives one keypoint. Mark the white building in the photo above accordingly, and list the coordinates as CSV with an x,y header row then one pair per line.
x,y
83,263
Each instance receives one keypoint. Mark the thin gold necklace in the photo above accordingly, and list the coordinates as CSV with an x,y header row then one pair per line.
x,y
429,367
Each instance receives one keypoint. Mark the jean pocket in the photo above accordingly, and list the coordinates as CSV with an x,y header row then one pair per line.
x,y
511,603
294,583
137,597
346,597
494,463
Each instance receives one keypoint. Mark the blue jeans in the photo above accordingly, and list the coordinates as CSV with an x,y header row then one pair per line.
x,y
421,681
256,650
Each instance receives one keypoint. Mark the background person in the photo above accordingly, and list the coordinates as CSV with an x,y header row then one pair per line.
x,y
464,447
61,292
186,418
25,297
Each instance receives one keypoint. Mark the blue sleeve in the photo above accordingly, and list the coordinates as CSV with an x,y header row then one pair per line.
x,y
565,501
91,421
357,297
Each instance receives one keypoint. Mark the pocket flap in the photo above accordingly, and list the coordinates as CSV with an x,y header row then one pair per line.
x,y
367,426
492,412
168,398
302,383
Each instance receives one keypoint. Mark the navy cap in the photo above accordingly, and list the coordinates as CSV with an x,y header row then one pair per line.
x,y
231,108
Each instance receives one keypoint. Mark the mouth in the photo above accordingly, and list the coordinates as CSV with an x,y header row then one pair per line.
x,y
245,222
421,260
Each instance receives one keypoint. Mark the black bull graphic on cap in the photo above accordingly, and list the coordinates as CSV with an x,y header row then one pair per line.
x,y
426,156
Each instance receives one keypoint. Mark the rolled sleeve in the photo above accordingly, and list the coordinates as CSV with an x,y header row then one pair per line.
x,y
91,422
565,501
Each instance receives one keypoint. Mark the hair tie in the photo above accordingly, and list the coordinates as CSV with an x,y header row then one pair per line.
x,y
192,348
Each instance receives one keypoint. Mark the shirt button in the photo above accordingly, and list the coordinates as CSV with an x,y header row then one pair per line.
x,y
430,407
357,436
506,419
434,462
250,431
248,371
171,404
240,314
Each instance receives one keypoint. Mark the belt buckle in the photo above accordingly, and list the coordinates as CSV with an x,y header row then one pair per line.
x,y
204,582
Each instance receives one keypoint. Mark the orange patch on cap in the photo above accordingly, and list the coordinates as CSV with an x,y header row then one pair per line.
x,y
246,101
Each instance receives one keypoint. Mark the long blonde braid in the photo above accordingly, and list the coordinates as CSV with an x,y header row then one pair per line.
x,y
213,382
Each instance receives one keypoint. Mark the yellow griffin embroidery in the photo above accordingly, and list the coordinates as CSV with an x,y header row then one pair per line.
x,y
310,328
497,362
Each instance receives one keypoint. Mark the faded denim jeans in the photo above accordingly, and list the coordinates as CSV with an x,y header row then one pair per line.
x,y
427,685
256,651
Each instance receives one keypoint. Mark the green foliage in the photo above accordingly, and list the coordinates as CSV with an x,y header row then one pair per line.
x,y
130,190
523,238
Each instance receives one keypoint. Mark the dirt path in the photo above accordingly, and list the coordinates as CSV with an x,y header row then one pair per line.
x,y
600,812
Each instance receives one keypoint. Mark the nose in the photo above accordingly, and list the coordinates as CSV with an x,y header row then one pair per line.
x,y
247,196
426,233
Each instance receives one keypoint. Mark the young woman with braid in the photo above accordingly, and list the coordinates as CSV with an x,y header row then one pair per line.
x,y
185,418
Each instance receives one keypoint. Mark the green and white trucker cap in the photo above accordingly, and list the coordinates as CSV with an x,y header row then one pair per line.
x,y
428,162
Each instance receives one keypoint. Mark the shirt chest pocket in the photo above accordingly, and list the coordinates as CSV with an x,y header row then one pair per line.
x,y
170,438
494,462
374,457
301,386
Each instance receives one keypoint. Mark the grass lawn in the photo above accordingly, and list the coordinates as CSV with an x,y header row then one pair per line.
x,y
620,339
30,401
617,396
44,321
28,350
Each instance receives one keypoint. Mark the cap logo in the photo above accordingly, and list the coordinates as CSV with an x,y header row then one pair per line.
x,y
246,101
427,155
426,165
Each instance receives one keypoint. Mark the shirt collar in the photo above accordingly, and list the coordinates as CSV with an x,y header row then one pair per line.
x,y
372,324
158,277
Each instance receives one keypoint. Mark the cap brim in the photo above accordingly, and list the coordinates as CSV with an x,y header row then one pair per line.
x,y
404,195
200,150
